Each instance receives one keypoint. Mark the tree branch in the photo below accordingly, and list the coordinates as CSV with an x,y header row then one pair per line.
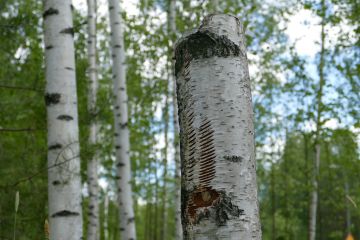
x,y
20,129
21,88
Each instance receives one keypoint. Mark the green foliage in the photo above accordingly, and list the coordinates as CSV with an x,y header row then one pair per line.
x,y
285,91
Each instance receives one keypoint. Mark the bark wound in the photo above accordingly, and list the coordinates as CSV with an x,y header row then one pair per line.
x,y
52,98
207,203
203,197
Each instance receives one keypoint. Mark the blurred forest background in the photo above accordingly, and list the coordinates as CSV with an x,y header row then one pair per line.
x,y
304,65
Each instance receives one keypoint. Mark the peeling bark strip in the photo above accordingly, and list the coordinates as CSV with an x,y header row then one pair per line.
x,y
219,192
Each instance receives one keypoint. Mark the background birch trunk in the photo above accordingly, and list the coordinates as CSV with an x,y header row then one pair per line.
x,y
215,5
106,216
172,33
92,167
219,190
64,183
319,106
163,234
122,144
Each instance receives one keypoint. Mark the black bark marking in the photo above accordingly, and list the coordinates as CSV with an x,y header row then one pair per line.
x,y
49,47
120,165
50,11
56,182
233,158
65,213
117,147
111,7
203,44
65,117
117,46
52,98
130,220
69,30
55,146
225,209
123,125
69,68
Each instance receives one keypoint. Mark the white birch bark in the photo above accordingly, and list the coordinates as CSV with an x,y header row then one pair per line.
x,y
92,166
64,183
122,144
314,194
219,190
178,226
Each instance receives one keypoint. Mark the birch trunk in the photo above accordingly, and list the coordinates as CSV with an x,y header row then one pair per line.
x,y
316,163
122,144
348,212
219,190
92,167
314,194
106,216
64,182
172,33
163,234
215,5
